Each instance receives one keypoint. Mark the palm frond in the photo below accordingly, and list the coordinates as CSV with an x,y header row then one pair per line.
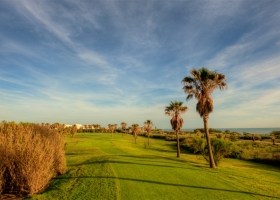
x,y
188,80
203,83
189,97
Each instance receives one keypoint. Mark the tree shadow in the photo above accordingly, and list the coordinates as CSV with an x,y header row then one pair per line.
x,y
112,158
174,160
130,163
172,184
170,147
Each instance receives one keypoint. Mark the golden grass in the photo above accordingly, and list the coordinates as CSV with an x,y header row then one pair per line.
x,y
31,155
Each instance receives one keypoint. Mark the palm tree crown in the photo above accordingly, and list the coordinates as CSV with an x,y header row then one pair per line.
x,y
201,86
174,109
148,124
123,124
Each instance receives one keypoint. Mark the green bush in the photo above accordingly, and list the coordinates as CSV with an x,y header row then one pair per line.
x,y
174,138
220,148
275,133
219,135
234,136
158,136
170,138
198,145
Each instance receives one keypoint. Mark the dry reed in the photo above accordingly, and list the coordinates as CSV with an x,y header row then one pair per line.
x,y
30,155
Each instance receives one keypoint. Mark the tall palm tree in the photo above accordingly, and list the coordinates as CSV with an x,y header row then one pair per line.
x,y
135,129
175,109
201,85
123,125
111,128
147,127
97,127
73,130
115,127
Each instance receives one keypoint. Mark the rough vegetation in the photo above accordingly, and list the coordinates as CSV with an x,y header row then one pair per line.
x,y
31,155
232,145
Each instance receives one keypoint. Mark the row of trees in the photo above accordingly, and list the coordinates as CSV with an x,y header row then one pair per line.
x,y
135,128
200,85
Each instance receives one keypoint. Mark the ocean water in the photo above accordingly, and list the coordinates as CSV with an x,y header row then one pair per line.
x,y
241,130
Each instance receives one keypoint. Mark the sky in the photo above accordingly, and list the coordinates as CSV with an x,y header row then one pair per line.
x,y
106,62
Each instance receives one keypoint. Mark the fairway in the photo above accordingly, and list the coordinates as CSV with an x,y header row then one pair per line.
x,y
103,167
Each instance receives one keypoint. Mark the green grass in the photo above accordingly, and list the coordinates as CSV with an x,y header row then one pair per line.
x,y
101,167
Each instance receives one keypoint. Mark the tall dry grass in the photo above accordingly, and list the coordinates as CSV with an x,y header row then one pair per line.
x,y
30,155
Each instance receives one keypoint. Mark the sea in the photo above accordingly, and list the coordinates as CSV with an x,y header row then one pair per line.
x,y
241,130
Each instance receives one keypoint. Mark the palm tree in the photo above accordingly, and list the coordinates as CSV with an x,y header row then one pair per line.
x,y
147,127
111,129
135,130
175,109
201,85
123,124
97,127
73,130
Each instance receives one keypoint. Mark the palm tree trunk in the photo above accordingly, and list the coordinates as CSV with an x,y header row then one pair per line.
x,y
206,130
178,144
148,138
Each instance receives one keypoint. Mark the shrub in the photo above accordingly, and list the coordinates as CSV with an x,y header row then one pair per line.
x,y
174,138
236,152
276,156
219,135
275,133
265,136
198,145
234,136
157,136
30,156
170,138
220,148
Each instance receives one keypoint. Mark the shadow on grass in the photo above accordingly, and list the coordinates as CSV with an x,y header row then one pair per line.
x,y
142,160
171,184
130,163
174,160
171,148
271,162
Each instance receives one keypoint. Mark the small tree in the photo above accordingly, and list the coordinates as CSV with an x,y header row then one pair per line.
x,y
123,125
148,127
73,130
111,128
175,109
273,139
135,129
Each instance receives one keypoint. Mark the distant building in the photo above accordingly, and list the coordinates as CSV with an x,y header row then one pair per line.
x,y
78,125
70,125
67,125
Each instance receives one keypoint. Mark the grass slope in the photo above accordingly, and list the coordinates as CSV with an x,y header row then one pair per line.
x,y
101,167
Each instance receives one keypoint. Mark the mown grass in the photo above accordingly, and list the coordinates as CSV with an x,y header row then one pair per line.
x,y
102,167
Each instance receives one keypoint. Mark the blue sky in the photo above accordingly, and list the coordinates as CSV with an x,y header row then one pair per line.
x,y
104,62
